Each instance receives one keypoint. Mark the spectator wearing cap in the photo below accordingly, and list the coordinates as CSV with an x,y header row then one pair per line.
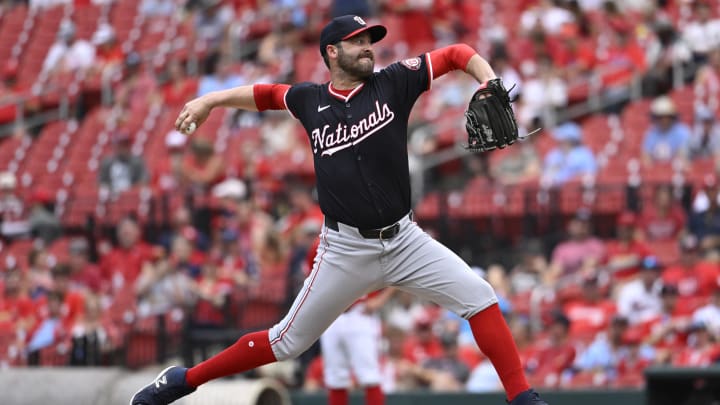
x,y
122,170
663,219
13,222
108,53
591,311
668,137
580,251
423,344
68,53
167,173
639,300
709,314
705,136
570,160
626,251
693,276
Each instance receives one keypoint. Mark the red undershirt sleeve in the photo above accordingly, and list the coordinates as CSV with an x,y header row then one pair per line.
x,y
449,58
270,96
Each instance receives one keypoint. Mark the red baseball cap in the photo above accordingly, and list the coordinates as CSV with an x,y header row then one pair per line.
x,y
344,27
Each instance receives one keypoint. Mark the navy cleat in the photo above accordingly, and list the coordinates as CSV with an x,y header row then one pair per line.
x,y
529,397
167,387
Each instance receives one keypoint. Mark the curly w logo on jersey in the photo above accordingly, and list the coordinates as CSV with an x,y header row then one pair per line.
x,y
327,141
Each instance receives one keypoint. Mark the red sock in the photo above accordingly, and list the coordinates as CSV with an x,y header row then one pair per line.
x,y
250,351
374,395
338,396
493,337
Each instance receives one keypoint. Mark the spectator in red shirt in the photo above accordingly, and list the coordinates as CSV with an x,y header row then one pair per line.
x,y
16,307
178,86
591,312
625,253
73,299
213,294
664,219
636,358
556,353
108,54
702,349
84,274
692,276
667,331
423,345
302,208
122,265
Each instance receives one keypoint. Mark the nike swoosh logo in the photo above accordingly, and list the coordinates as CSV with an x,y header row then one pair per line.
x,y
323,108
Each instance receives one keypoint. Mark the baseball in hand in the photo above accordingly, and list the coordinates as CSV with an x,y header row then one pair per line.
x,y
190,128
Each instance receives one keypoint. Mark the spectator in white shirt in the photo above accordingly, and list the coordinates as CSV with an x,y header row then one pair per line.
x,y
639,300
68,54
702,34
709,315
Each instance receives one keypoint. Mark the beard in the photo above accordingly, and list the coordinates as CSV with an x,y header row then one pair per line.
x,y
356,66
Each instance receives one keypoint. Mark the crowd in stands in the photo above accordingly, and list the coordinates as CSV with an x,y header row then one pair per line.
x,y
234,213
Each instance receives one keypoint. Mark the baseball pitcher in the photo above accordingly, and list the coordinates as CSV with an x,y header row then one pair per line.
x,y
357,127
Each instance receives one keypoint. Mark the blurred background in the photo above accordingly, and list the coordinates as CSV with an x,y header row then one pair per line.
x,y
126,244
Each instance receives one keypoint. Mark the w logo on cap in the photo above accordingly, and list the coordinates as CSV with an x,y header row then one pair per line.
x,y
359,20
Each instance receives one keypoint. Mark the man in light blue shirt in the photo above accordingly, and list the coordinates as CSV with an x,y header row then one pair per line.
x,y
570,159
668,137
218,76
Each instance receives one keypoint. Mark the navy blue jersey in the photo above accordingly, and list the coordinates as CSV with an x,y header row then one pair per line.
x,y
359,142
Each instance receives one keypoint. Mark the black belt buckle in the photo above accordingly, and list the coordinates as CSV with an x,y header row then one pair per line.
x,y
389,232
382,233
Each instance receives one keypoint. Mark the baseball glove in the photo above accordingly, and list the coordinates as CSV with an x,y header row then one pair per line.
x,y
490,118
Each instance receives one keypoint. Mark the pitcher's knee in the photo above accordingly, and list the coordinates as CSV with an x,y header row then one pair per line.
x,y
483,296
288,348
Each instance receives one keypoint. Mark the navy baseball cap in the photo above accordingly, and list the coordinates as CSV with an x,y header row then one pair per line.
x,y
344,27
